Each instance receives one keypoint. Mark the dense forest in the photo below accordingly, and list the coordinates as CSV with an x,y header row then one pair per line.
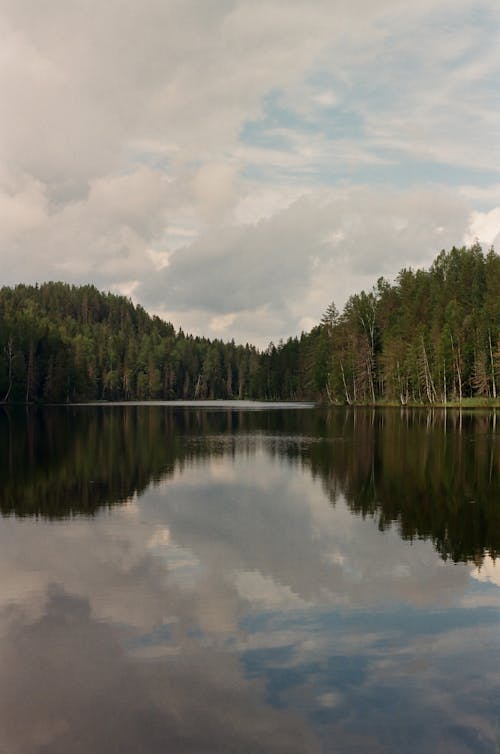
x,y
432,336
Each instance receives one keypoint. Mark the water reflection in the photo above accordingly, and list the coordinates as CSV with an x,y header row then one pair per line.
x,y
434,474
87,694
219,595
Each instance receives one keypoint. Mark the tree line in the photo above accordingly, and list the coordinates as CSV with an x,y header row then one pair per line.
x,y
431,336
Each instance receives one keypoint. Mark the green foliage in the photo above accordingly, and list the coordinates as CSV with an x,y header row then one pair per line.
x,y
61,343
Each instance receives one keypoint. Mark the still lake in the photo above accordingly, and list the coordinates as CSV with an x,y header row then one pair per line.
x,y
241,579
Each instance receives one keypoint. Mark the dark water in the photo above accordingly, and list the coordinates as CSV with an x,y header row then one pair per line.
x,y
292,581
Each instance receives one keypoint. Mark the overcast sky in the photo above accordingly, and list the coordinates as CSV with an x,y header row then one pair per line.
x,y
234,165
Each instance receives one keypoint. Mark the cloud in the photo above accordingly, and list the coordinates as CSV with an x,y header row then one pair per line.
x,y
323,246
200,156
100,237
214,190
485,227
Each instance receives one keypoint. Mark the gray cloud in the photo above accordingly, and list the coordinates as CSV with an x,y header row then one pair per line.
x,y
322,247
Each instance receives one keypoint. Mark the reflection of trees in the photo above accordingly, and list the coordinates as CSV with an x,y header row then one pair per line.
x,y
56,462
434,474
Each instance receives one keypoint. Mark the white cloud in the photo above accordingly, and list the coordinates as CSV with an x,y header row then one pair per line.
x,y
326,99
222,323
484,226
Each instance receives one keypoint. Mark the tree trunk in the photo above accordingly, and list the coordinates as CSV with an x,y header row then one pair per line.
x,y
30,370
492,362
197,387
10,358
347,396
456,358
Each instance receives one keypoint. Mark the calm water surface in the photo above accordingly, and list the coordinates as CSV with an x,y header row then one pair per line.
x,y
217,580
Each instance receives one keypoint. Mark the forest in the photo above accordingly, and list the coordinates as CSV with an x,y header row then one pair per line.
x,y
430,337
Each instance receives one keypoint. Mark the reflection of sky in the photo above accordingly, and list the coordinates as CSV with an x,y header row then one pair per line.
x,y
233,608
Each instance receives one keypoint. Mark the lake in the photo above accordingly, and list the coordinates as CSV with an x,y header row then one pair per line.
x,y
249,579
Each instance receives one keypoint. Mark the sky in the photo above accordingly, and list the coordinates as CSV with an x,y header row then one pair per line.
x,y
236,165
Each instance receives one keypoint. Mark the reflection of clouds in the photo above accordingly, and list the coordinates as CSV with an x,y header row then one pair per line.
x,y
159,538
213,547
417,666
260,591
101,560
68,686
277,522
488,571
